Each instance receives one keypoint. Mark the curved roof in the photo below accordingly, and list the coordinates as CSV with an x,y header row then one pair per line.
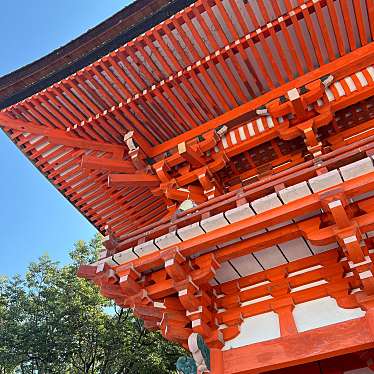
x,y
184,76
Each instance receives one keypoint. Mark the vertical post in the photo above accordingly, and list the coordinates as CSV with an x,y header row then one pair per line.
x,y
216,361
286,320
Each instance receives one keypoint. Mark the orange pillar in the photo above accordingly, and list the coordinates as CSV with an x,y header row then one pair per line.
x,y
216,361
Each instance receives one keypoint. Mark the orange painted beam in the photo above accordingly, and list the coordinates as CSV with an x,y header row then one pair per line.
x,y
190,155
340,68
121,180
258,222
58,137
96,163
258,189
309,346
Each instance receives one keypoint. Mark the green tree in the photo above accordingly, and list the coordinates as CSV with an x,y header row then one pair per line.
x,y
53,322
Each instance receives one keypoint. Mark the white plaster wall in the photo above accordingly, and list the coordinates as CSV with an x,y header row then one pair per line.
x,y
359,371
256,329
322,312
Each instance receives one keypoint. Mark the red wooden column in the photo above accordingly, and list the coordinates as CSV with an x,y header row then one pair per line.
x,y
216,361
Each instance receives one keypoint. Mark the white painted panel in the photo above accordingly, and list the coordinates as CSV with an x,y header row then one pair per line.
x,y
322,248
233,137
256,329
269,121
357,168
322,312
246,265
214,222
351,84
224,142
167,240
251,129
339,88
302,271
270,257
145,248
294,192
330,95
107,260
308,285
370,70
324,181
257,300
239,213
295,249
361,78
266,203
125,256
226,273
190,231
242,133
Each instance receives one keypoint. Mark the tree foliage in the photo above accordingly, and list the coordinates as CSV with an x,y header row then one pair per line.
x,y
53,322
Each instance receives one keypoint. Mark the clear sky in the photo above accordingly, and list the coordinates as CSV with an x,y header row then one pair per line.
x,y
34,217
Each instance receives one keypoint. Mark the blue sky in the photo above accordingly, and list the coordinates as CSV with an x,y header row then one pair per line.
x,y
34,218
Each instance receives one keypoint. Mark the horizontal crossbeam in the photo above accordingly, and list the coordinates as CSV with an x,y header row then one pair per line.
x,y
143,180
95,163
345,337
59,137
340,68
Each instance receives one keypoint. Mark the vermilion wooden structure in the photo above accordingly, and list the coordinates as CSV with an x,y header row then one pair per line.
x,y
226,154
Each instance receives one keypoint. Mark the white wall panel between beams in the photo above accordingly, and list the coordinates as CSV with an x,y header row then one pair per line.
x,y
294,192
226,273
266,203
108,260
125,256
357,168
270,257
322,312
145,248
246,265
239,213
295,249
214,222
190,231
167,240
324,181
322,248
359,371
256,329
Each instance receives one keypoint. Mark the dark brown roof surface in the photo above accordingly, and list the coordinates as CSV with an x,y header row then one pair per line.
x,y
123,26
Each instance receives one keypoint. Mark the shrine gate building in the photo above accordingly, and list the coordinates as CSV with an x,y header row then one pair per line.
x,y
224,148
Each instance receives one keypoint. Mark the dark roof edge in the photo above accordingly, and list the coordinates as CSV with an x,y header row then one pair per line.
x,y
45,76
